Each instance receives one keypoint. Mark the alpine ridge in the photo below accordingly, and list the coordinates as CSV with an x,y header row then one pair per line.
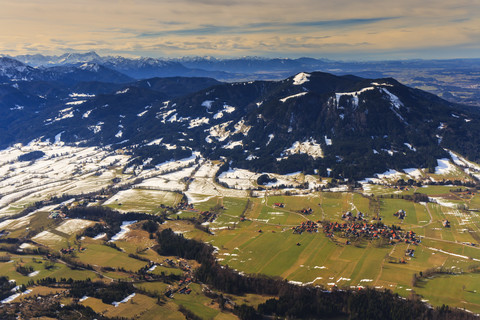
x,y
344,126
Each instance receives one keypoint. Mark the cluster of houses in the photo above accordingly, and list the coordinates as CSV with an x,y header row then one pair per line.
x,y
446,223
279,205
207,216
400,214
185,290
57,214
184,206
306,211
401,188
70,250
183,265
306,226
349,216
184,286
369,231
170,262
409,252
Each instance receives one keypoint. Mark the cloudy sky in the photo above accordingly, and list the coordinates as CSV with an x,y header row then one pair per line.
x,y
336,29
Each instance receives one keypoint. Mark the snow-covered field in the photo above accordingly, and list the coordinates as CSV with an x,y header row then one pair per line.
x,y
160,183
72,226
62,170
168,167
47,237
203,185
239,178
444,167
140,200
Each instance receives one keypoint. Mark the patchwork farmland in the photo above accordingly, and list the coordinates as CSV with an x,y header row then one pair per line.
x,y
271,231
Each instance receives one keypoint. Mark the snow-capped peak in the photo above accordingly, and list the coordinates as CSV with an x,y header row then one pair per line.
x,y
301,78
90,67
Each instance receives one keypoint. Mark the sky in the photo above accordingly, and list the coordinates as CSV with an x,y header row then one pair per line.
x,y
333,29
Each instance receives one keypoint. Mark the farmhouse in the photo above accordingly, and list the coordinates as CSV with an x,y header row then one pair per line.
x,y
400,214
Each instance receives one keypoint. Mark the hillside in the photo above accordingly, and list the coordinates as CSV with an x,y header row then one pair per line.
x,y
344,126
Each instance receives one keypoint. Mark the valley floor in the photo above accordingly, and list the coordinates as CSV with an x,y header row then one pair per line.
x,y
251,230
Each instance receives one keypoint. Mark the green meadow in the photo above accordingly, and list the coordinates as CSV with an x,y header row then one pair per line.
x,y
264,243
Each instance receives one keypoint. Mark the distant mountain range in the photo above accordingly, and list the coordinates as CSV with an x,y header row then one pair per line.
x,y
455,80
343,126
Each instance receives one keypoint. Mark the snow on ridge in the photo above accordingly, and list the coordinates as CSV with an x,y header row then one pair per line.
x,y
81,95
122,91
293,96
382,84
353,94
310,147
301,78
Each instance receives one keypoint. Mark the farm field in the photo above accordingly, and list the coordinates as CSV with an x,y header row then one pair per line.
x,y
253,232
264,241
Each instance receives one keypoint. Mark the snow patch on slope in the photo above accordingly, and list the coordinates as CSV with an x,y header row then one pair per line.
x,y
198,122
444,166
293,96
310,147
393,98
